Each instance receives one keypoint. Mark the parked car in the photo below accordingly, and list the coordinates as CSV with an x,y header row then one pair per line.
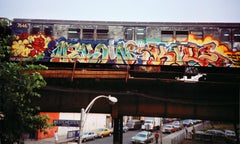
x,y
87,136
169,129
195,121
125,129
101,132
187,122
177,125
230,133
134,124
215,132
143,137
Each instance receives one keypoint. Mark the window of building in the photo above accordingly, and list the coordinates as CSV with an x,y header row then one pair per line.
x,y
140,33
48,30
225,35
236,35
36,28
167,36
88,34
74,33
181,36
129,33
197,34
102,34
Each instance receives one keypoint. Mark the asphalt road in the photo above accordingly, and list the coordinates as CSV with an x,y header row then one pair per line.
x,y
109,139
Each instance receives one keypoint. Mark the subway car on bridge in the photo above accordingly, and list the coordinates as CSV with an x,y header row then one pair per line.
x,y
143,46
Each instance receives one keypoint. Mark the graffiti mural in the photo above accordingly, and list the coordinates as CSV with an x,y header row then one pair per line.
x,y
194,52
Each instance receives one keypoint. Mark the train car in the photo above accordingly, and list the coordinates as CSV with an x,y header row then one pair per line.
x,y
143,44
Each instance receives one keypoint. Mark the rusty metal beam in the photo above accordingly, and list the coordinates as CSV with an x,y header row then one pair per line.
x,y
83,73
148,98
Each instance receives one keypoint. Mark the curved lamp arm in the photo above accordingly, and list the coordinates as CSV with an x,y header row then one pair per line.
x,y
110,98
86,111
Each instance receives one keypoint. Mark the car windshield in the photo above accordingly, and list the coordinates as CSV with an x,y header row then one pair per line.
x,y
229,132
100,130
129,122
141,135
167,126
176,123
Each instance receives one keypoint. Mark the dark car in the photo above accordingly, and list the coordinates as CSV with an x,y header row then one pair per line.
x,y
215,132
124,129
134,124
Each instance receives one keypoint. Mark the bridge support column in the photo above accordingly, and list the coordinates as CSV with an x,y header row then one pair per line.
x,y
117,125
118,130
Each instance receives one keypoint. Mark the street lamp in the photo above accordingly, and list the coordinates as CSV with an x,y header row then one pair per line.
x,y
83,112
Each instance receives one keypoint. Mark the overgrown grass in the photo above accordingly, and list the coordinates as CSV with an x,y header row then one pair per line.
x,y
219,126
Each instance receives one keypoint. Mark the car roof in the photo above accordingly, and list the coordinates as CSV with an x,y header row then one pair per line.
x,y
168,125
144,132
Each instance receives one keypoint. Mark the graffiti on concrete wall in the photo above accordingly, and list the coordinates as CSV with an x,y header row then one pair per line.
x,y
194,52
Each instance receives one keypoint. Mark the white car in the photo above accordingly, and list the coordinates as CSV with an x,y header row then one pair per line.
x,y
125,129
187,122
143,137
88,136
193,78
230,133
169,129
177,125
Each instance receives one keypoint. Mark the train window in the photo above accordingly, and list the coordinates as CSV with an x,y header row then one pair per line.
x,y
197,34
236,35
236,40
74,33
36,28
167,36
128,34
140,33
48,29
88,34
181,35
225,35
102,34
213,32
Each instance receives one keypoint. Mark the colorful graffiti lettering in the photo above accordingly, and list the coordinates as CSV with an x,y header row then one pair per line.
x,y
194,52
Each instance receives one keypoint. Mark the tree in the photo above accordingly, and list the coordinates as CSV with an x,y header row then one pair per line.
x,y
19,85
5,39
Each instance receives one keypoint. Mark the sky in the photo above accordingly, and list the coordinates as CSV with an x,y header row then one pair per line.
x,y
124,10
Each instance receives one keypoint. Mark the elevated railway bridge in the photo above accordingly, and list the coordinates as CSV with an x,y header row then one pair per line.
x,y
143,93
151,84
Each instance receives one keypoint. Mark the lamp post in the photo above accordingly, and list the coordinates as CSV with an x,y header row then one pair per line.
x,y
161,127
84,112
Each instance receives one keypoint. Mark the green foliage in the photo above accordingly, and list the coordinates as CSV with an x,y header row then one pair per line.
x,y
18,89
19,86
5,39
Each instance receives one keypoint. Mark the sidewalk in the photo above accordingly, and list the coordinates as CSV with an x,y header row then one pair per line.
x,y
62,140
